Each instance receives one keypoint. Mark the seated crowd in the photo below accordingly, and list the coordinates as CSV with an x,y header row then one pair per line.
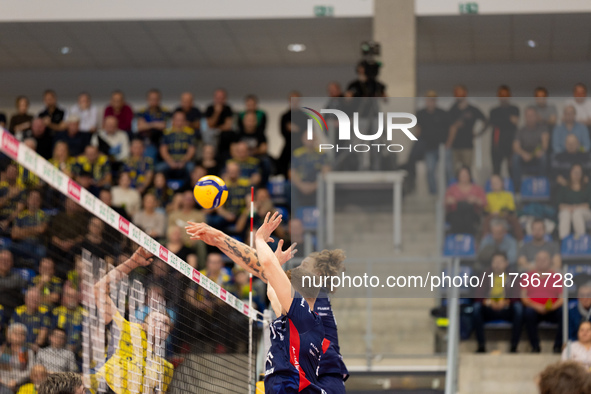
x,y
518,226
143,165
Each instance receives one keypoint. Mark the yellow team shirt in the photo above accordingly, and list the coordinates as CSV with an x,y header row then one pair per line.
x,y
130,366
497,201
28,388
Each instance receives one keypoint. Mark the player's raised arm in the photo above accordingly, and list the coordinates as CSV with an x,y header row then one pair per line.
x,y
275,275
140,258
240,253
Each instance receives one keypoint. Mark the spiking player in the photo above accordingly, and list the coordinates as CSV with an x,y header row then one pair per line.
x,y
297,335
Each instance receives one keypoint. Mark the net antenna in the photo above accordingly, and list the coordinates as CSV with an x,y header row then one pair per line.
x,y
250,317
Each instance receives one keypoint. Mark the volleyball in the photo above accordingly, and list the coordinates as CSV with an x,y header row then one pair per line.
x,y
210,192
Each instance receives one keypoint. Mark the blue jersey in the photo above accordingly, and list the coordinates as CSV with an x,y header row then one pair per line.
x,y
296,346
331,361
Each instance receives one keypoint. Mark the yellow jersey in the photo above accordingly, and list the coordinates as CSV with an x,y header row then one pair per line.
x,y
131,367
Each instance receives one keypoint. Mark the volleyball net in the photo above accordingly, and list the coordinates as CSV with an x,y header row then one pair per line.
x,y
139,314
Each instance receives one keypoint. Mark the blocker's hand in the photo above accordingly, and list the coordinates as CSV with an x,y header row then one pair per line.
x,y
285,256
268,226
141,257
201,232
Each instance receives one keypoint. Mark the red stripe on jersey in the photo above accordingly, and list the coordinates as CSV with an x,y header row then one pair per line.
x,y
325,345
294,354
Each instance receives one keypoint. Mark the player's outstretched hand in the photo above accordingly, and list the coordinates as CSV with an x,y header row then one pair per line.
x,y
202,232
141,257
285,256
268,226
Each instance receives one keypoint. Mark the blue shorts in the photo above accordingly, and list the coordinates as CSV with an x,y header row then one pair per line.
x,y
332,383
288,384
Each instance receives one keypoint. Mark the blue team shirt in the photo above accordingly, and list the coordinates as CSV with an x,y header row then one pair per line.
x,y
297,340
331,361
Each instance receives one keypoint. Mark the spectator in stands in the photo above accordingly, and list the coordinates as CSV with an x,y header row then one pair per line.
x,y
106,196
29,229
210,162
161,190
464,202
335,94
38,375
210,310
94,241
581,104
22,120
151,122
124,196
12,197
530,148
88,115
542,301
72,136
28,179
177,245
256,141
121,110
55,357
226,215
581,311
292,126
307,164
250,167
296,235
186,212
569,126
529,250
139,167
563,162
495,301
431,132
112,141
68,318
219,117
547,113
501,204
251,103
462,117
198,172
503,120
2,120
16,360
35,317
177,148
580,350
498,240
43,136
11,284
61,158
75,275
97,165
65,237
192,114
49,285
262,205
573,204
566,377
52,115
150,220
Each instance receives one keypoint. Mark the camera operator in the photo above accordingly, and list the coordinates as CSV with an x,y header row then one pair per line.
x,y
366,84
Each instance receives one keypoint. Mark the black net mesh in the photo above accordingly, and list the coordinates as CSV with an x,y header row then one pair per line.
x,y
94,294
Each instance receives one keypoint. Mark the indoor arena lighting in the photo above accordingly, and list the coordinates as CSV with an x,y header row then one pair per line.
x,y
296,47
531,43
65,50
